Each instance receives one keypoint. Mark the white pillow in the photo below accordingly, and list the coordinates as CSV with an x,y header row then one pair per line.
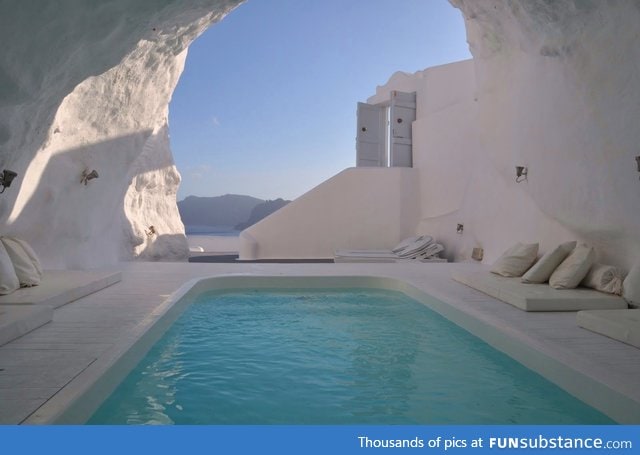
x,y
26,271
542,270
516,260
631,286
8,279
574,268
605,278
32,254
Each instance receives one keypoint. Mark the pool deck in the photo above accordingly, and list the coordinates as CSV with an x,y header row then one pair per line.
x,y
42,371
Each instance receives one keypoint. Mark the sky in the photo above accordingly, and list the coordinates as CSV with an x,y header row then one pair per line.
x,y
266,105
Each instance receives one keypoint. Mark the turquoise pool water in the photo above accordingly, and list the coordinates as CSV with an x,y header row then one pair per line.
x,y
330,357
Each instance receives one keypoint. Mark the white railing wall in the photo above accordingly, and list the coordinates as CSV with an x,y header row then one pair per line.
x,y
357,208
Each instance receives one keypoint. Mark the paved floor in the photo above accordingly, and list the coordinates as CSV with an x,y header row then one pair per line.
x,y
40,370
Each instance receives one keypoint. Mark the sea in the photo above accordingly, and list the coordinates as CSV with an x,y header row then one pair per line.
x,y
213,239
217,231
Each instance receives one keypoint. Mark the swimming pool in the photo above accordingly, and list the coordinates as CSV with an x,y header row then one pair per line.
x,y
330,356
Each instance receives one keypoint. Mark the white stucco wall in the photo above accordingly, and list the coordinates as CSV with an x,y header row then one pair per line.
x,y
436,87
357,208
460,181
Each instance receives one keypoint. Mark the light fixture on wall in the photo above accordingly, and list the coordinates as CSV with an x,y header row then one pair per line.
x,y
521,173
459,228
151,231
6,178
86,176
477,254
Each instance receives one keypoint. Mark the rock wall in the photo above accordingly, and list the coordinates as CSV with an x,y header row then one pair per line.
x,y
557,90
83,86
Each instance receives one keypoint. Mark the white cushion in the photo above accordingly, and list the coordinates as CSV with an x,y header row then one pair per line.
x,y
32,254
631,285
516,260
8,279
26,271
404,243
537,297
574,268
604,278
542,270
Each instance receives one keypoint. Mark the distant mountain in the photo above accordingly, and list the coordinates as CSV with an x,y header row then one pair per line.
x,y
228,210
261,211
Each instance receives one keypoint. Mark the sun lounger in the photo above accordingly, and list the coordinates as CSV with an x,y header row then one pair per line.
x,y
420,248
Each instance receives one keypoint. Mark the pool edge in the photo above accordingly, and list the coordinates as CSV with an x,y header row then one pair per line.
x,y
79,399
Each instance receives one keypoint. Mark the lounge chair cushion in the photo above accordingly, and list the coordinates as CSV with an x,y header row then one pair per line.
x,y
421,248
409,242
516,260
631,285
574,268
26,271
8,279
542,270
432,250
417,246
604,278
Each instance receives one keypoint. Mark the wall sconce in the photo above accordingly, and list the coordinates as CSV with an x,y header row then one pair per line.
x,y
151,231
637,162
86,176
521,173
6,178
459,228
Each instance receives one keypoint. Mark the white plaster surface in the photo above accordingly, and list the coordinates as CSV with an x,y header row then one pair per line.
x,y
86,86
359,208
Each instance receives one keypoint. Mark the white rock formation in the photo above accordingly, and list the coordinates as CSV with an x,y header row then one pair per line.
x,y
558,90
83,86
